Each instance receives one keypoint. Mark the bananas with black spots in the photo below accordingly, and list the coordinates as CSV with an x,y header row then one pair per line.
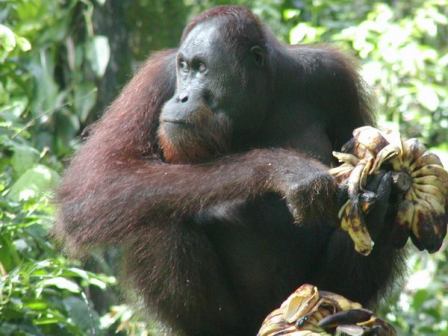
x,y
311,312
422,214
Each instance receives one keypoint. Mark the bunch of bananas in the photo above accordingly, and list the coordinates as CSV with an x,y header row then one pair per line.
x,y
310,312
423,181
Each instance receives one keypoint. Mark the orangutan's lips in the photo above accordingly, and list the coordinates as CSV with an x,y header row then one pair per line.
x,y
173,121
177,122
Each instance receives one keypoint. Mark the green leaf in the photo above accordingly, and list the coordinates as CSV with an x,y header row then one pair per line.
x,y
98,283
7,39
61,283
8,255
78,272
291,13
85,99
47,97
23,43
46,320
82,315
98,52
36,304
15,109
68,125
419,299
24,158
33,183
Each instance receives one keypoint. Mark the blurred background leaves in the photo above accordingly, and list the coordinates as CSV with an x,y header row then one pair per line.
x,y
63,61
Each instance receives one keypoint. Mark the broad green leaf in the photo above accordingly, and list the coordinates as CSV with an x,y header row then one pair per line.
x,y
85,99
33,183
24,158
81,314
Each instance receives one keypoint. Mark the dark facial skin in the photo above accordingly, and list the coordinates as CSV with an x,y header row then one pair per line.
x,y
210,106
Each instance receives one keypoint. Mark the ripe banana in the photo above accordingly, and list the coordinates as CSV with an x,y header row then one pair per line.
x,y
422,213
310,312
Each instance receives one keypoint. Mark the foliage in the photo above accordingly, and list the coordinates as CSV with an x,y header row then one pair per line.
x,y
404,54
49,61
420,308
58,59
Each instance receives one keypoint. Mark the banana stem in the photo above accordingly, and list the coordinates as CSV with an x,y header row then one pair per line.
x,y
402,181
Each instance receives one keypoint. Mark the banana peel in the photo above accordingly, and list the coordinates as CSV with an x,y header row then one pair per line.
x,y
421,214
311,312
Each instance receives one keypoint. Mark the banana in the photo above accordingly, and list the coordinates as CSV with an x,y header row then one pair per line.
x,y
426,159
431,169
430,189
341,303
311,312
353,223
350,159
300,304
412,150
354,180
386,153
342,172
422,214
370,138
426,233
403,223
431,201
432,180
425,173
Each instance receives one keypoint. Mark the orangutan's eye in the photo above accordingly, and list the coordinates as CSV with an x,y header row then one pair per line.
x,y
202,68
183,66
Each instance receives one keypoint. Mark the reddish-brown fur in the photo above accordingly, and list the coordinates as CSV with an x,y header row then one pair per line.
x,y
211,246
